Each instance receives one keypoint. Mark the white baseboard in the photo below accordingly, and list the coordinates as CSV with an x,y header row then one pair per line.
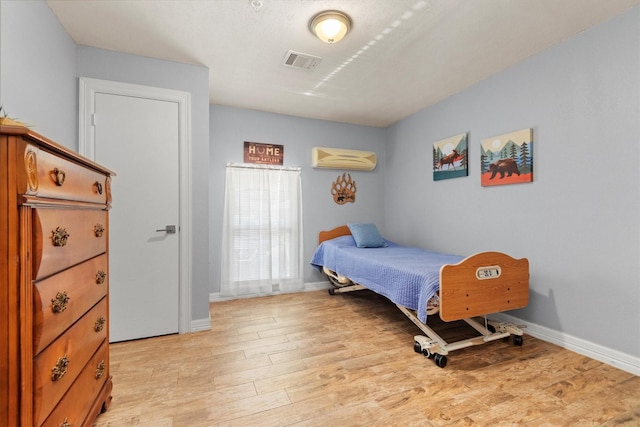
x,y
308,287
200,325
615,358
317,286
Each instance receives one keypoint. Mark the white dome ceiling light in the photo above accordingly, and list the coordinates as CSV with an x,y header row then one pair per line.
x,y
330,26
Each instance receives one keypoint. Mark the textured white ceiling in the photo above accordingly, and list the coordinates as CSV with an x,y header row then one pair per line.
x,y
400,56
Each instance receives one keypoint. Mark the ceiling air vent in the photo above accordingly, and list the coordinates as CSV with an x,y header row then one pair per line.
x,y
302,61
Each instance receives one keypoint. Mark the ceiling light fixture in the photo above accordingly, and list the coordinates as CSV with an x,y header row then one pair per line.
x,y
257,4
330,26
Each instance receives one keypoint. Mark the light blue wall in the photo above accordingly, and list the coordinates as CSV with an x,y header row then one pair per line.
x,y
121,67
37,71
230,127
578,223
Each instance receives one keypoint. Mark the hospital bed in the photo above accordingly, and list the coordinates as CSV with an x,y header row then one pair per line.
x,y
423,283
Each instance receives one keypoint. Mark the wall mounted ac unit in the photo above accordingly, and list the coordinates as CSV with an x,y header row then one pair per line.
x,y
339,158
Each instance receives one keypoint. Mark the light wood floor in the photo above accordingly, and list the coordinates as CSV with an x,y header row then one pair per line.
x,y
312,359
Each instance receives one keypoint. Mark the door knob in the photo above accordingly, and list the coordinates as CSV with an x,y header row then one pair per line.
x,y
169,229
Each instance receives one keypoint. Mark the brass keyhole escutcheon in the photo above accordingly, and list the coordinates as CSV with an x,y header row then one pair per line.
x,y
60,369
100,370
59,236
99,230
59,303
101,276
99,324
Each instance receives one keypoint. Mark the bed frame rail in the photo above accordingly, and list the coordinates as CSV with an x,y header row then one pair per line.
x,y
481,284
435,347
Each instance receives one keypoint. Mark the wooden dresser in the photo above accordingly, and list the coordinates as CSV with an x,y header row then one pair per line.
x,y
54,279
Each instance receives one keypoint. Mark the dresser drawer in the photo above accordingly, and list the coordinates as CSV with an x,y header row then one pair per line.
x,y
60,300
50,176
76,404
66,237
56,368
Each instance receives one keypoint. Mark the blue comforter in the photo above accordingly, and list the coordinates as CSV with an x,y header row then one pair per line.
x,y
407,276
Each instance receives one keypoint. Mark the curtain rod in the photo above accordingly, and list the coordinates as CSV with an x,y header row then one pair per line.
x,y
259,166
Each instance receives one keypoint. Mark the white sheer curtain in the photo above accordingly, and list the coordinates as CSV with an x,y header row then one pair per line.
x,y
262,234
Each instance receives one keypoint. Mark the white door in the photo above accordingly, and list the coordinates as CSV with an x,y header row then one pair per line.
x,y
138,139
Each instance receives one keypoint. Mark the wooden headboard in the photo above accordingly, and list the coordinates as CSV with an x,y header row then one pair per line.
x,y
343,230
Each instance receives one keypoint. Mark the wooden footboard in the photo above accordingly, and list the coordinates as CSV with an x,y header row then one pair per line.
x,y
484,283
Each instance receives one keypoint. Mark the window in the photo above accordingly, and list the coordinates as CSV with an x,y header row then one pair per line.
x,y
262,231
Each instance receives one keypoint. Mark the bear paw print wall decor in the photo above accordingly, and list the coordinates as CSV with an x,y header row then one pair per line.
x,y
344,189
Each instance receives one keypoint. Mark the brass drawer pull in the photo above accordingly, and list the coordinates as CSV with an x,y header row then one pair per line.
x,y
59,303
99,324
98,230
60,369
101,276
60,236
58,176
65,423
101,368
98,187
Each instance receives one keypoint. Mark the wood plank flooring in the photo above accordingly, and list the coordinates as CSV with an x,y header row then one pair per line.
x,y
311,359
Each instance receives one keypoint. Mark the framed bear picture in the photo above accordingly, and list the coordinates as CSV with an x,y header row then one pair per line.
x,y
507,159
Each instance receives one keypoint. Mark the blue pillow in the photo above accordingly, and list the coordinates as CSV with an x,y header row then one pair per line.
x,y
366,236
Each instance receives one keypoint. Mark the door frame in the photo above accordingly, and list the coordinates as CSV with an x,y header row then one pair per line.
x,y
88,89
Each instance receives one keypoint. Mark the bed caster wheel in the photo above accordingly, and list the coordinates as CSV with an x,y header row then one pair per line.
x,y
518,340
426,353
417,347
440,360
332,291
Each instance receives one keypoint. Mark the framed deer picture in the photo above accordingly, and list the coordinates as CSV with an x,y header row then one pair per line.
x,y
507,159
450,158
